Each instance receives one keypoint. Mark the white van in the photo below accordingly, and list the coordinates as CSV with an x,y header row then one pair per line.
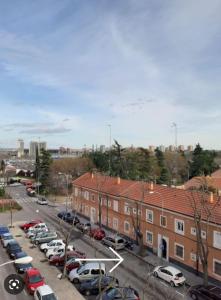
x,y
86,272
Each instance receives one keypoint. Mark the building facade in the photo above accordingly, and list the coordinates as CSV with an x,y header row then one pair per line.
x,y
20,144
164,216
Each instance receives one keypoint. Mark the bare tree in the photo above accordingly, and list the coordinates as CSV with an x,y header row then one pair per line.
x,y
203,204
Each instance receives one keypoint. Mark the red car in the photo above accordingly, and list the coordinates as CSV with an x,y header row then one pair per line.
x,y
58,260
33,279
97,234
27,225
72,264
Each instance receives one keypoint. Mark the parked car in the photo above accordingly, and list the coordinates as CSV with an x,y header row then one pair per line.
x,y
22,268
44,237
169,274
71,219
125,293
37,228
58,260
97,233
29,224
12,248
72,264
86,272
6,238
32,233
52,244
33,280
61,214
58,250
84,227
31,193
201,292
42,201
115,242
3,229
93,286
44,292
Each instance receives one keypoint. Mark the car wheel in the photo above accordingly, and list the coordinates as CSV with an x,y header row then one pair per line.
x,y
87,293
155,274
75,280
193,296
45,250
172,284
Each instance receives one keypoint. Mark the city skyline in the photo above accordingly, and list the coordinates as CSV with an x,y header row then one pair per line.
x,y
72,68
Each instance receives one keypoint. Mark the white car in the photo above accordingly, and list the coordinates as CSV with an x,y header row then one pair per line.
x,y
51,245
35,229
169,274
6,238
58,250
44,292
42,201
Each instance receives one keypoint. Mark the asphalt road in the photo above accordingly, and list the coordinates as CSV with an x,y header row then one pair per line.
x,y
32,210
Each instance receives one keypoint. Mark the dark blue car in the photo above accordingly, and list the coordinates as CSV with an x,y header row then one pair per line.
x,y
12,248
22,268
3,229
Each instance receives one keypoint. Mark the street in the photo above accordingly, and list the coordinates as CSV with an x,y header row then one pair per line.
x,y
127,273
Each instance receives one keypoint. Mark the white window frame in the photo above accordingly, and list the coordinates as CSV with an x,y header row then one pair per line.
x,y
193,256
115,205
115,221
109,203
134,211
126,209
176,244
162,216
149,212
203,234
215,243
176,221
86,195
126,223
139,212
76,191
216,261
193,231
147,241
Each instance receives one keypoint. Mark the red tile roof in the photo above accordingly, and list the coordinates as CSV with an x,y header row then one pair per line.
x,y
172,199
199,181
217,174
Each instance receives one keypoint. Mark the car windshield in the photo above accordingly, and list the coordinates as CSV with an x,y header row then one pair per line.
x,y
35,278
49,297
80,269
8,237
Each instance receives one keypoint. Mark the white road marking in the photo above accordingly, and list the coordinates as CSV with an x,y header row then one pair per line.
x,y
25,293
180,294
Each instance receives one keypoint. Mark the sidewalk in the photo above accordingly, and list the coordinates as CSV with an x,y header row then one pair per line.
x,y
62,288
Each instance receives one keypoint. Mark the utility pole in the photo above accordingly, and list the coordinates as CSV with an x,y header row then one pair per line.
x,y
109,125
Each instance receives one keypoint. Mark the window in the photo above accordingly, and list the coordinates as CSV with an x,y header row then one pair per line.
x,y
134,210
193,230
126,226
127,209
109,203
203,234
179,251
193,256
76,192
217,239
92,197
149,236
86,210
179,226
115,205
217,267
115,223
86,195
149,216
163,221
139,212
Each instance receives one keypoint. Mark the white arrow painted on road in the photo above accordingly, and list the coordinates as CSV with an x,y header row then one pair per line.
x,y
119,259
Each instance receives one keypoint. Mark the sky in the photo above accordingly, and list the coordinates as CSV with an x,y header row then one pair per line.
x,y
71,68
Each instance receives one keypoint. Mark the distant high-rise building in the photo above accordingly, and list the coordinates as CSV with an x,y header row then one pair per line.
x,y
171,148
162,148
42,146
33,148
102,148
152,148
20,144
181,148
190,148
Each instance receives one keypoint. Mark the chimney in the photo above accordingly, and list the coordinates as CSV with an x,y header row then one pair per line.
x,y
118,179
151,185
211,198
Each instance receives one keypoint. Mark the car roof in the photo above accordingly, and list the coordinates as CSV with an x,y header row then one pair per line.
x,y
95,265
21,254
44,290
172,270
13,242
7,234
32,271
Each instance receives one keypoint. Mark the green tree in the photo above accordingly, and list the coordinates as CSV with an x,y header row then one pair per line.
x,y
44,174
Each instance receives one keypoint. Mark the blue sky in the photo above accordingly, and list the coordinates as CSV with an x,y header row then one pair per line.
x,y
70,68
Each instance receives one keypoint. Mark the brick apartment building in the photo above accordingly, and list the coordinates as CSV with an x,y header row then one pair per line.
x,y
164,213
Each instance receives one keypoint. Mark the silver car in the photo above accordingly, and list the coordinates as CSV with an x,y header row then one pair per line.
x,y
45,237
115,242
6,238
